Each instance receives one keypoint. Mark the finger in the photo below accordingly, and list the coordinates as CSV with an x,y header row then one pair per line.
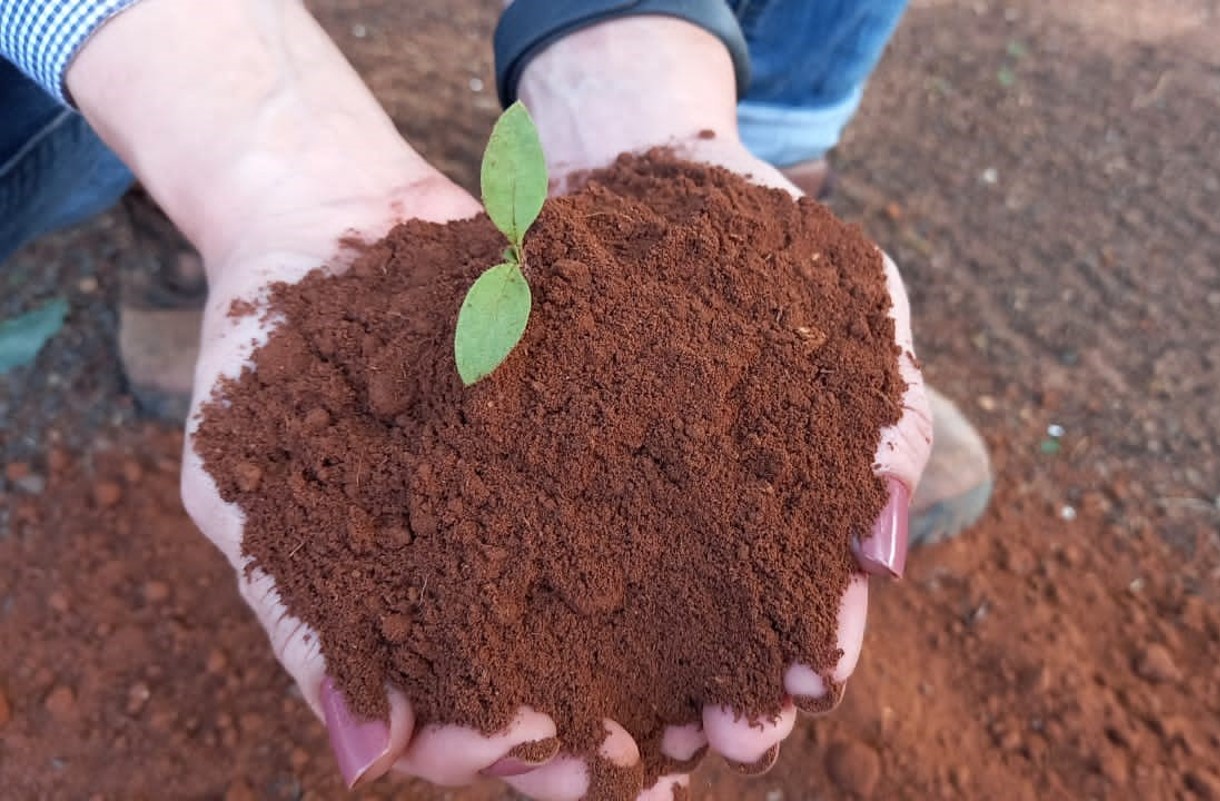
x,y
684,745
819,692
295,645
903,451
750,747
452,756
365,749
671,787
566,778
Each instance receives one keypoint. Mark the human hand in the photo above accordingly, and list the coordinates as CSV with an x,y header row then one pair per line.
x,y
642,82
266,169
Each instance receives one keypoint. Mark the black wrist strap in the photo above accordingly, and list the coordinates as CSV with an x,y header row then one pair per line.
x,y
529,26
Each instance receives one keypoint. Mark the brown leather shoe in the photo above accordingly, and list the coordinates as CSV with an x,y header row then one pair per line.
x,y
163,289
957,483
814,178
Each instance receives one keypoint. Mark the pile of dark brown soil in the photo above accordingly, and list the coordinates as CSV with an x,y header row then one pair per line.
x,y
646,509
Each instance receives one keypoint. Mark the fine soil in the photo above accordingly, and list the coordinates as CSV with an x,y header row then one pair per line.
x,y
1044,174
649,508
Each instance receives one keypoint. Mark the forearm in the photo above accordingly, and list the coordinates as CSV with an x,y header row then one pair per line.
x,y
629,84
219,104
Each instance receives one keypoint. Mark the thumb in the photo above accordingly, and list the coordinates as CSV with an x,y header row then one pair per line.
x,y
904,448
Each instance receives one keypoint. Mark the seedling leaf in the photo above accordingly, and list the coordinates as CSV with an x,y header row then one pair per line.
x,y
513,175
491,321
22,337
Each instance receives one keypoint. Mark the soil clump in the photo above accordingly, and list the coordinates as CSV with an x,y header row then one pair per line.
x,y
648,508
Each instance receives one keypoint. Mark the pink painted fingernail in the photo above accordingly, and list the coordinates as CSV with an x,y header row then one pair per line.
x,y
884,553
357,743
509,766
523,758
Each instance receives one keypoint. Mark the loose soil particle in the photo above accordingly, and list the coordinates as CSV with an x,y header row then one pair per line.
x,y
668,445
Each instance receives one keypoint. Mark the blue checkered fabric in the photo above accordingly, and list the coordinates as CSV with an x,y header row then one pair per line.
x,y
42,36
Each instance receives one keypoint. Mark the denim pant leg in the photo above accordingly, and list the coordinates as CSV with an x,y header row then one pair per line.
x,y
54,171
811,60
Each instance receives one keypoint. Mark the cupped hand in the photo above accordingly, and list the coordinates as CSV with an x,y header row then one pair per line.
x,y
276,153
752,746
297,230
303,233
899,460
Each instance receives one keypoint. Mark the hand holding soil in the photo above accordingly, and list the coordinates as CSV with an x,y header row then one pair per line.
x,y
633,540
466,570
284,249
449,540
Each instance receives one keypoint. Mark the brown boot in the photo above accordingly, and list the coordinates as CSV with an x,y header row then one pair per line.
x,y
815,178
956,485
160,312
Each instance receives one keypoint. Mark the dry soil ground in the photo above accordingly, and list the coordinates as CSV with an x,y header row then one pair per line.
x,y
1045,173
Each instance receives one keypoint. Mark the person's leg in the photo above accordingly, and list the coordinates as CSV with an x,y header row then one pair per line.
x,y
54,171
811,61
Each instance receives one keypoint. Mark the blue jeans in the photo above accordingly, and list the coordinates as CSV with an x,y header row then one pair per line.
x,y
810,58
54,171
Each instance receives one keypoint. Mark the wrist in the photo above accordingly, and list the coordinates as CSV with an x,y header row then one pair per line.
x,y
230,109
627,85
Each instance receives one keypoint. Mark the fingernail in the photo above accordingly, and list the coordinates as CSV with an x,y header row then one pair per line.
x,y
357,744
523,758
509,766
823,703
884,553
758,766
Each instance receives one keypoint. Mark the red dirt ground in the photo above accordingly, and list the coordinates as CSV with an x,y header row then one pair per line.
x,y
1046,179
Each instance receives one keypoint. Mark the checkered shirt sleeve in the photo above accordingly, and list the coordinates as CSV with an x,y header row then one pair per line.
x,y
42,36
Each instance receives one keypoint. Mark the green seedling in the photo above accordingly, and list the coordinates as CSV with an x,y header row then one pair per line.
x,y
497,305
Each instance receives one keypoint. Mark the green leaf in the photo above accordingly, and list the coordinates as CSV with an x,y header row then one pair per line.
x,y
491,321
22,337
514,173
